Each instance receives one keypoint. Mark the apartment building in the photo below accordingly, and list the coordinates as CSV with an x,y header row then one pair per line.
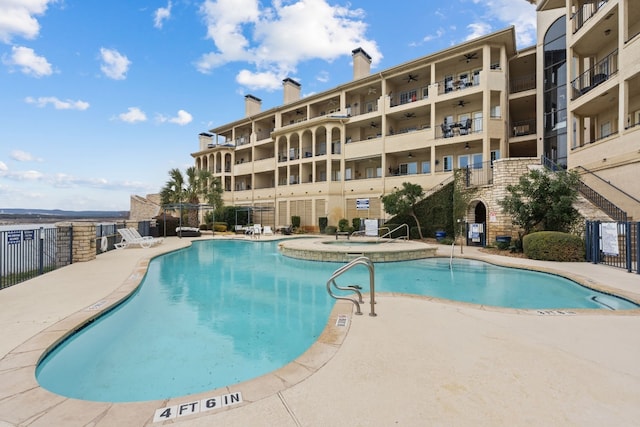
x,y
336,153
588,96
572,99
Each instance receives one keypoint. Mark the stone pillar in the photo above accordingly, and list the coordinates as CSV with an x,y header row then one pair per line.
x,y
81,237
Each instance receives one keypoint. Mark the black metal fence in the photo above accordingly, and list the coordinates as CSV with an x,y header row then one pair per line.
x,y
29,252
613,243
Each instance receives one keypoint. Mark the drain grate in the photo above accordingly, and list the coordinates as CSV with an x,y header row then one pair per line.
x,y
342,320
555,313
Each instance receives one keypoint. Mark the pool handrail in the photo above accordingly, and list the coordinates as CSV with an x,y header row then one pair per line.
x,y
354,288
389,233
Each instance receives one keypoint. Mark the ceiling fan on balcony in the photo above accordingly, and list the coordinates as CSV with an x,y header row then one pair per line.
x,y
332,102
468,57
409,115
299,112
373,125
412,78
460,104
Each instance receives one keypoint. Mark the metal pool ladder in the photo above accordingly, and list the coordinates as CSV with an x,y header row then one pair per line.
x,y
354,288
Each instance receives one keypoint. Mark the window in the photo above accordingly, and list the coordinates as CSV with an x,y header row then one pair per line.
x,y
476,160
426,167
464,79
448,84
369,106
477,121
410,168
495,155
496,112
370,172
476,77
409,96
605,129
347,174
463,161
447,163
425,92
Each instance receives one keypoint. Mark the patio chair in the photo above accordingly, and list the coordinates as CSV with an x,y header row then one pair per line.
x,y
132,237
257,230
447,132
267,231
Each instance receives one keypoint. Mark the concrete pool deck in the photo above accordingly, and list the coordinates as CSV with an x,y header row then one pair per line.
x,y
421,361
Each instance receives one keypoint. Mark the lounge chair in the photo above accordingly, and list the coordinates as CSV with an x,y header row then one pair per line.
x,y
131,236
188,232
257,230
267,231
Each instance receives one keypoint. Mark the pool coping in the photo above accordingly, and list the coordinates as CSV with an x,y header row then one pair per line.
x,y
35,403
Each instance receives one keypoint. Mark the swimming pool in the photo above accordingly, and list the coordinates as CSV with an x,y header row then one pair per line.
x,y
221,312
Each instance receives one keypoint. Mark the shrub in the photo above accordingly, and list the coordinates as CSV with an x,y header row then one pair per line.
x,y
295,221
220,227
413,232
343,224
553,246
323,221
355,223
446,241
330,229
203,227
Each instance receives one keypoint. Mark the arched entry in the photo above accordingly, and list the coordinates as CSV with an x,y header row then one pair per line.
x,y
476,224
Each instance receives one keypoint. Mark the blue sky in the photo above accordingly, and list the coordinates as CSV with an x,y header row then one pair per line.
x,y
99,100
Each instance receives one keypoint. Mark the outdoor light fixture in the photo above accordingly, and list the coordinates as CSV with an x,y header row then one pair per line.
x,y
410,155
466,146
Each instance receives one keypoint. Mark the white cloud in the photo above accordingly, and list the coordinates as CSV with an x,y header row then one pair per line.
x,y
23,156
29,62
478,29
3,167
276,39
260,80
115,65
58,104
521,14
183,118
161,14
133,115
17,18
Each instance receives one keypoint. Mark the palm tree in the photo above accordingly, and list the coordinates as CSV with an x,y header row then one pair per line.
x,y
198,187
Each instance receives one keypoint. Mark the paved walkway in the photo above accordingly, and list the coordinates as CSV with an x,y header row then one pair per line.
x,y
421,361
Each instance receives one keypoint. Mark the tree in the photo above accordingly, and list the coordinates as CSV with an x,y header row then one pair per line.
x,y
198,187
403,200
543,200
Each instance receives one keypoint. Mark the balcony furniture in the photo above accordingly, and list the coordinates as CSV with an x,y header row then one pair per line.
x,y
447,132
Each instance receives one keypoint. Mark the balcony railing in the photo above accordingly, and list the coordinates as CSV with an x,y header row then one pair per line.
x,y
478,174
523,83
598,74
523,127
585,12
448,86
465,127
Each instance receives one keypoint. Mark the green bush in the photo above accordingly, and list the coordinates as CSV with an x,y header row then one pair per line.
x,y
330,229
355,223
553,246
323,221
220,227
203,227
343,224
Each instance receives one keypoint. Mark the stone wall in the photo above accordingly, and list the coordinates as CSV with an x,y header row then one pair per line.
x,y
144,208
505,173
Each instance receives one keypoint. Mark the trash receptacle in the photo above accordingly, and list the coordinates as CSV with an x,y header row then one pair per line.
x,y
440,235
503,242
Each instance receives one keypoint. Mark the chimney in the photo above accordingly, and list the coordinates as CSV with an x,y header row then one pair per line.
x,y
291,90
206,140
361,63
252,105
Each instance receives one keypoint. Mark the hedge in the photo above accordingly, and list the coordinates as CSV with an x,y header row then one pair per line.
x,y
553,246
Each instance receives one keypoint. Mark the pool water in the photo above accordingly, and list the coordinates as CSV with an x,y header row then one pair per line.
x,y
222,312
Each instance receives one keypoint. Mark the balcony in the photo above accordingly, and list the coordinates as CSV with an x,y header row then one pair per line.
x,y
452,85
467,127
585,12
523,127
596,75
522,84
